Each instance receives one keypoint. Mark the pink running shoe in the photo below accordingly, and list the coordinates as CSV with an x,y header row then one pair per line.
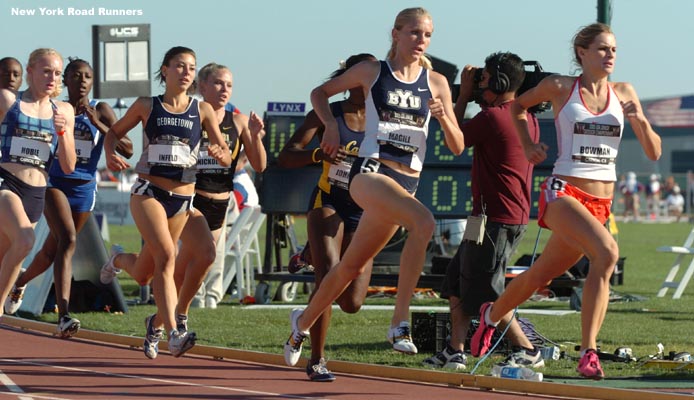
x,y
589,366
482,339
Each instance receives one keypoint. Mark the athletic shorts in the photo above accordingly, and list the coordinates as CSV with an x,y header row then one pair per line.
x,y
33,197
371,165
340,201
80,194
214,210
554,188
477,273
173,203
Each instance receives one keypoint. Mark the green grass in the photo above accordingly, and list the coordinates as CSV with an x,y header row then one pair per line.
x,y
640,325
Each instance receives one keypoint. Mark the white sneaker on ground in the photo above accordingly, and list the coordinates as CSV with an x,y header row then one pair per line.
x,y
400,337
210,302
447,359
68,326
292,348
14,300
525,358
109,270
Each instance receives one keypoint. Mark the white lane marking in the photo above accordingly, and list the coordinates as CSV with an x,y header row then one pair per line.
x,y
11,386
167,381
33,396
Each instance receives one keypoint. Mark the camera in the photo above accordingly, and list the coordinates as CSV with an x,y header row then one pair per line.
x,y
532,78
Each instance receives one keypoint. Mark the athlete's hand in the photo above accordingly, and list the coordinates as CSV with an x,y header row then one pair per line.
x,y
338,158
116,163
436,108
331,141
59,120
255,124
631,110
215,151
536,153
90,112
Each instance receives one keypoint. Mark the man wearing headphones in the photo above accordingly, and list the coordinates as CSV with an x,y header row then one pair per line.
x,y
501,183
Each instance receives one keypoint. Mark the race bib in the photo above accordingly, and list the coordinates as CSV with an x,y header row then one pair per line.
x,y
209,164
338,175
398,136
30,151
83,149
174,155
595,143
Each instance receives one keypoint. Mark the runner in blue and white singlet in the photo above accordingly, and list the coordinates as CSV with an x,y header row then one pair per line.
x,y
70,197
36,131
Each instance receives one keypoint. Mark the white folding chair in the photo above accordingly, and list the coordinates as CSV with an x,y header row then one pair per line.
x,y
242,243
682,251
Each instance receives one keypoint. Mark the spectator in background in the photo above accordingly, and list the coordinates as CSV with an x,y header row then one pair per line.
x,y
668,186
653,194
630,190
10,74
675,203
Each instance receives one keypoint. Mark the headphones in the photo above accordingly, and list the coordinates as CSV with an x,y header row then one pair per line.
x,y
499,82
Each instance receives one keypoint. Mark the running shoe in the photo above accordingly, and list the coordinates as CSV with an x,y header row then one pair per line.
x,y
447,359
589,366
292,348
524,358
400,337
180,342
109,270
182,322
298,261
318,372
482,339
14,300
152,338
68,326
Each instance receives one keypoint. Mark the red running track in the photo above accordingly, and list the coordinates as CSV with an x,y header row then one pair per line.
x,y
36,365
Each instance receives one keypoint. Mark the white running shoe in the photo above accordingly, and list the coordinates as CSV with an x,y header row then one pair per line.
x,y
180,342
109,270
447,359
152,338
68,326
292,348
400,337
14,300
525,358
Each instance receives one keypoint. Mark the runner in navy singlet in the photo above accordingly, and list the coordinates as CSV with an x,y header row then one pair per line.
x,y
162,196
402,93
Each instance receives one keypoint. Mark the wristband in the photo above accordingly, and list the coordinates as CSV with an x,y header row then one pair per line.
x,y
313,155
60,133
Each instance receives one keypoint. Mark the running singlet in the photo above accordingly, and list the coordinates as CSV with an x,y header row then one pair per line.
x,y
171,143
397,118
211,176
338,174
89,143
588,142
27,140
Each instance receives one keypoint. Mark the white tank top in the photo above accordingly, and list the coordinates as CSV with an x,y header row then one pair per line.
x,y
588,142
